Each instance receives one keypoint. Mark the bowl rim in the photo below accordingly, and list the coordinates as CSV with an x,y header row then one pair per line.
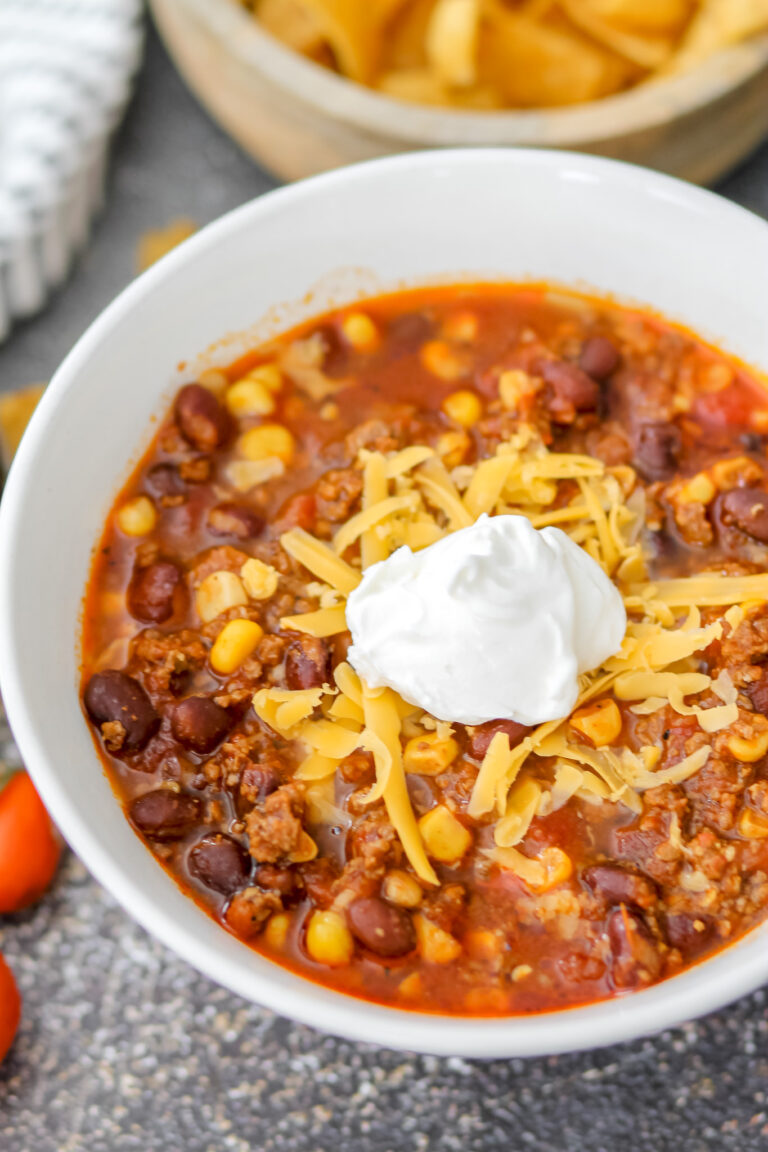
x,y
736,970
646,106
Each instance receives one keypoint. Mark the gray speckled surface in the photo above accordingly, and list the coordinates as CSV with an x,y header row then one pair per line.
x,y
123,1047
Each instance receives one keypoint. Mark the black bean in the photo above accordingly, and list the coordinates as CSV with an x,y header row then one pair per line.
x,y
747,508
164,480
150,595
689,932
200,724
599,357
202,419
237,520
259,782
636,958
381,927
165,815
114,697
220,863
657,450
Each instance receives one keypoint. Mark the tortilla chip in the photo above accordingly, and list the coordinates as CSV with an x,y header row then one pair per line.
x,y
538,65
452,40
718,24
646,51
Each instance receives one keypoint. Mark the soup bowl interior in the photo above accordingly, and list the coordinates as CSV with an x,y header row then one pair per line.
x,y
510,215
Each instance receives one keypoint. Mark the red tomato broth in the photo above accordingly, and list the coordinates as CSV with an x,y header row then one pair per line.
x,y
390,385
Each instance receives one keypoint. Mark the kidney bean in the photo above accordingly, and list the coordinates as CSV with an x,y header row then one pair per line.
x,y
636,958
657,450
285,881
381,927
747,508
115,697
617,885
150,595
307,663
484,733
758,693
232,519
202,420
220,863
165,815
572,390
599,357
337,353
200,724
298,511
164,480
319,877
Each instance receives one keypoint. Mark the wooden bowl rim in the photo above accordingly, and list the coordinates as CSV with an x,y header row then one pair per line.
x,y
645,106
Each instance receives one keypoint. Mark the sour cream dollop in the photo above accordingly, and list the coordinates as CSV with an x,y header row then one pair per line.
x,y
494,622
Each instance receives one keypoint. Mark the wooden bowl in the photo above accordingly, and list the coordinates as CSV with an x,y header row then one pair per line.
x,y
298,118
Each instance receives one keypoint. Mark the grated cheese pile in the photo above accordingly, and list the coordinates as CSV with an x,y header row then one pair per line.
x,y
409,497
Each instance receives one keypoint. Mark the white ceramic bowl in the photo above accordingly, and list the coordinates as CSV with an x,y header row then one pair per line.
x,y
565,217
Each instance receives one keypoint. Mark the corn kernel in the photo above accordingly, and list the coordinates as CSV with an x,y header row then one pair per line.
x,y
265,441
482,944
752,825
758,419
698,490
360,331
269,375
748,749
445,838
137,517
436,946
520,972
729,474
247,474
557,868
260,579
452,447
515,386
464,407
276,931
329,411
234,644
411,988
329,941
429,755
402,889
600,722
249,398
461,326
218,593
442,360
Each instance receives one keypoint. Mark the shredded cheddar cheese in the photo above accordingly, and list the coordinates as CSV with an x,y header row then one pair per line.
x,y
409,497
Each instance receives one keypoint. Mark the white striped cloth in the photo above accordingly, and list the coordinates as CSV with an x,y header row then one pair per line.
x,y
66,68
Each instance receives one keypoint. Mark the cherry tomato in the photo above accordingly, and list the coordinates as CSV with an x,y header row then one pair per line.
x,y
29,845
10,1008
